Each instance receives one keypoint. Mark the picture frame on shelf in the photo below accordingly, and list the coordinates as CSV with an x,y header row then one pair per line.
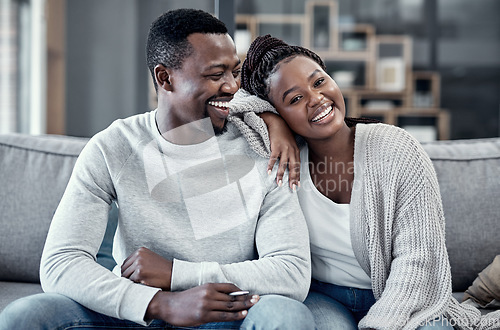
x,y
393,63
322,25
391,74
380,101
426,89
348,74
356,37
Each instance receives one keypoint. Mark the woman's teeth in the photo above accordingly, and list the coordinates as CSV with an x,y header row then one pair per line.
x,y
219,104
323,114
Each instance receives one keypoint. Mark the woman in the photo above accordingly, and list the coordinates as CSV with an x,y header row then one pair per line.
x,y
368,191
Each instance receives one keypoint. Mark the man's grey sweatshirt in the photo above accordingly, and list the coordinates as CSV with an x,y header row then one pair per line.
x,y
211,207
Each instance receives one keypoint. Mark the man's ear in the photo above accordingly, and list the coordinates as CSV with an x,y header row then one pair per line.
x,y
162,76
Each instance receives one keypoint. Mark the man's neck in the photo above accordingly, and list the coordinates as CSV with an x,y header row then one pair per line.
x,y
191,133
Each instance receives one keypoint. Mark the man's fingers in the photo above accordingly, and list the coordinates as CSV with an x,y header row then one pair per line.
x,y
222,294
127,271
219,316
133,257
127,266
225,288
233,306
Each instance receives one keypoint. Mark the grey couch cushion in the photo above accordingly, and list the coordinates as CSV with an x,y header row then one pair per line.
x,y
34,171
11,291
469,178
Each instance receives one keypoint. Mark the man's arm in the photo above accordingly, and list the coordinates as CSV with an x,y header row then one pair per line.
x,y
282,244
69,266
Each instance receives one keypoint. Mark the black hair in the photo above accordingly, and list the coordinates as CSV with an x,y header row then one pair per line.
x,y
167,42
263,58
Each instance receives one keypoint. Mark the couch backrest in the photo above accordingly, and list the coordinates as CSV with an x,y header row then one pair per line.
x,y
34,172
469,179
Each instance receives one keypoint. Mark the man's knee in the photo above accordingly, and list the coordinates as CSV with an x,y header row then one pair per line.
x,y
278,312
30,312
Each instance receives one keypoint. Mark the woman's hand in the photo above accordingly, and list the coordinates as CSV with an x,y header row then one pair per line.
x,y
283,147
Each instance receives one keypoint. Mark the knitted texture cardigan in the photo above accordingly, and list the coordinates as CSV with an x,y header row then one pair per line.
x,y
397,224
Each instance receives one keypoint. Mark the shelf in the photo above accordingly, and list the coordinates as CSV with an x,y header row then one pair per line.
x,y
370,69
321,26
426,89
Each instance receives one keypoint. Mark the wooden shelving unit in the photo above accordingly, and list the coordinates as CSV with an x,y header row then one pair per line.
x,y
373,71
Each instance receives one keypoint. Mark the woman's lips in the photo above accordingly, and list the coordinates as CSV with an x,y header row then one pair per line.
x,y
327,112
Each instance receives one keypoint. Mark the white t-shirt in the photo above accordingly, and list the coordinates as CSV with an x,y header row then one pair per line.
x,y
333,259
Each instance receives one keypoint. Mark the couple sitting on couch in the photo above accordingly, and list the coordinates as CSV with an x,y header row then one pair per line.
x,y
201,219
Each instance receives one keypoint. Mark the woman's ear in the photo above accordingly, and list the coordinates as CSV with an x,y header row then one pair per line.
x,y
162,77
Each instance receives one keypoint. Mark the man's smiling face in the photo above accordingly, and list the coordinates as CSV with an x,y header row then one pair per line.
x,y
207,80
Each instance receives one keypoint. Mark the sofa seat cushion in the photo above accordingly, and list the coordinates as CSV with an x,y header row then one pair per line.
x,y
15,290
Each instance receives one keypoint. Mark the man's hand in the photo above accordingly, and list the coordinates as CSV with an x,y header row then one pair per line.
x,y
146,267
202,304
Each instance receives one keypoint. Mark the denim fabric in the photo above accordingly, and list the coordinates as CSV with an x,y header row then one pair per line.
x,y
55,312
338,307
352,303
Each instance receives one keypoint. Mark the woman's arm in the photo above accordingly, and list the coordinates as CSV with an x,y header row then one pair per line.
x,y
283,147
281,140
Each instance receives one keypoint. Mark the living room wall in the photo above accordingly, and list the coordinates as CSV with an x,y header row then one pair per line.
x,y
106,72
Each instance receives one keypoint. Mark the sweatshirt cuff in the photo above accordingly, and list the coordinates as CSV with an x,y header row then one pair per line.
x,y
187,275
135,302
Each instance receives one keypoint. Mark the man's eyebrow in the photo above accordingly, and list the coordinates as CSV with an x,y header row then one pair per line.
x,y
221,65
288,91
215,66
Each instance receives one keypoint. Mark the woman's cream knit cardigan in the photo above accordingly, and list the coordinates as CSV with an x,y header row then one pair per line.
x,y
397,222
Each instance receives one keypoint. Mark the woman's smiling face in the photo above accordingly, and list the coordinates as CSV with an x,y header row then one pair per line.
x,y
307,98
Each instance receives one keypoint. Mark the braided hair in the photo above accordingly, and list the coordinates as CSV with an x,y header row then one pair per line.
x,y
263,58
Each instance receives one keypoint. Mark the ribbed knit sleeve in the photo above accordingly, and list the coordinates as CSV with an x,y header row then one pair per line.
x,y
243,110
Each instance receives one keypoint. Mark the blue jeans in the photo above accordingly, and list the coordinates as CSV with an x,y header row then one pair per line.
x,y
53,311
339,307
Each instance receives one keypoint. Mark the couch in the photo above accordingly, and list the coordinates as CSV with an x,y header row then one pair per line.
x,y
34,171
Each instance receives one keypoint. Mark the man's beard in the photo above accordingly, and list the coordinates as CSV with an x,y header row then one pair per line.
x,y
217,130
220,130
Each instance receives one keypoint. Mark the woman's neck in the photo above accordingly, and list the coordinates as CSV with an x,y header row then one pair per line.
x,y
338,147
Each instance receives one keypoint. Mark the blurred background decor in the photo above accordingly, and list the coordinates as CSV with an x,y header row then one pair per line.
x,y
431,66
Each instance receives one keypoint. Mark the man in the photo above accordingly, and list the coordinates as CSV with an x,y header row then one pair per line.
x,y
200,219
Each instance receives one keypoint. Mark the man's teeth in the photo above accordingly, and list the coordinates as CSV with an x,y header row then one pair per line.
x,y
219,104
323,114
